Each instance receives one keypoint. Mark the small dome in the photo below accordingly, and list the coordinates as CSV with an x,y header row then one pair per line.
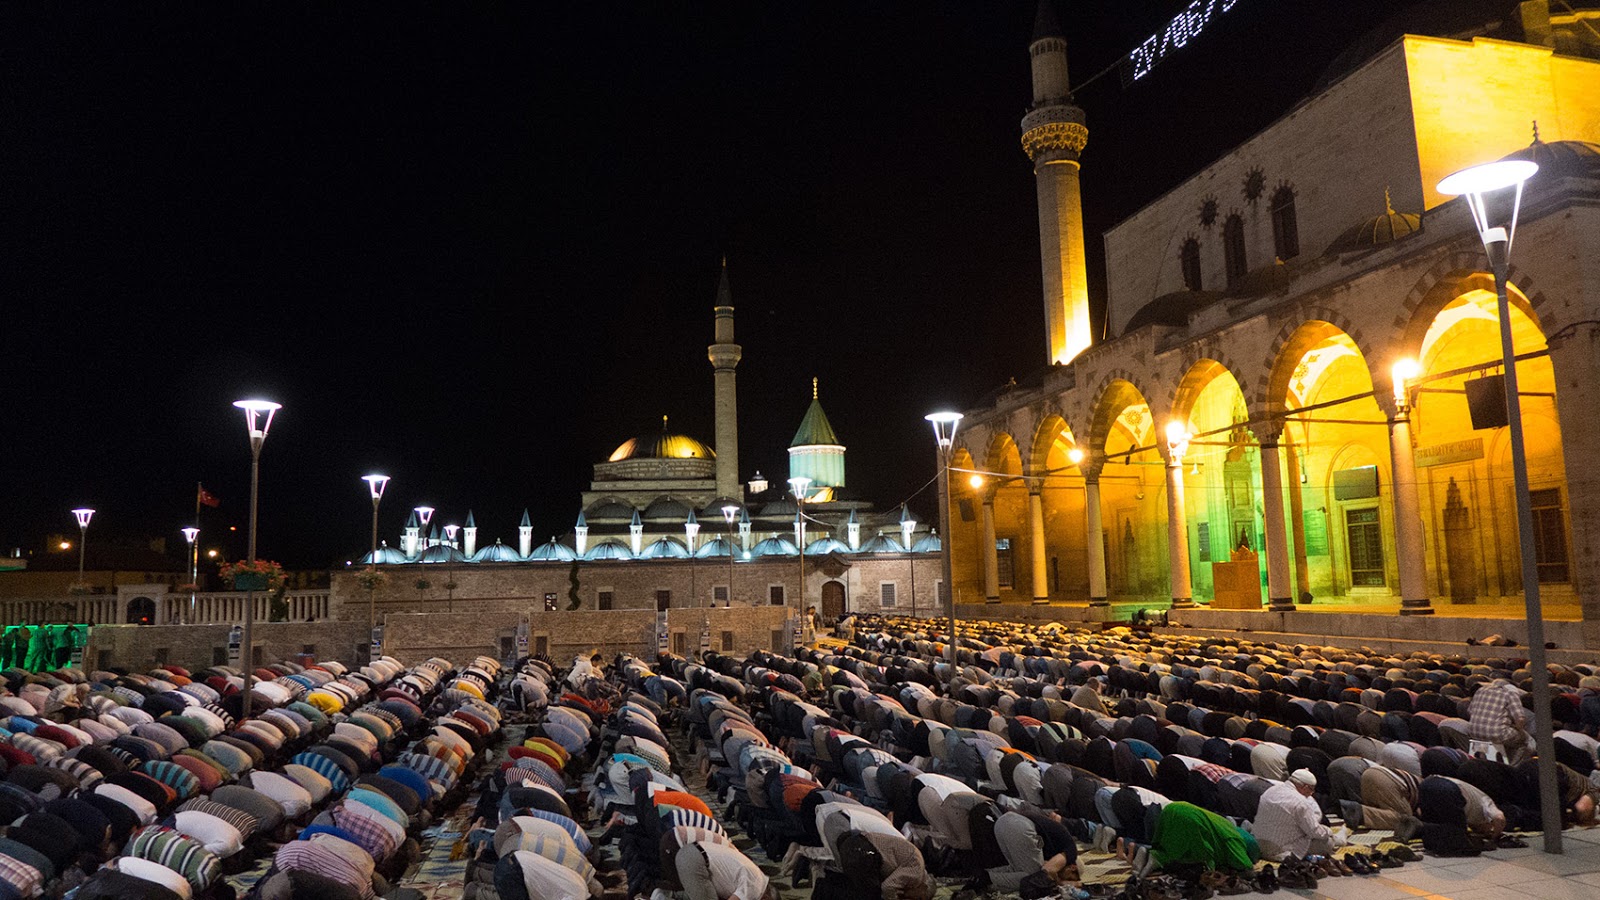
x,y
1386,228
775,546
1170,309
784,507
611,509
882,544
928,544
608,550
826,545
496,552
716,547
440,553
662,446
665,548
668,508
1559,159
553,550
387,556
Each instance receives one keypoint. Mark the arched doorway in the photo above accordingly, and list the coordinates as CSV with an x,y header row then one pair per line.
x,y
1132,494
1222,474
832,601
141,611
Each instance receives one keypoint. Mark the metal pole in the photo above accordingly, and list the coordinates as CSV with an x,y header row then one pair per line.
x,y
1544,739
250,595
194,574
730,563
800,591
372,560
83,539
945,545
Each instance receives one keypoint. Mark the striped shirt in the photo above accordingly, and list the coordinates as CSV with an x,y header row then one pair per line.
x,y
178,852
579,837
27,880
365,830
315,856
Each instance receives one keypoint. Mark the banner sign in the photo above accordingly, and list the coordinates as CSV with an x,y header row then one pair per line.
x,y
235,637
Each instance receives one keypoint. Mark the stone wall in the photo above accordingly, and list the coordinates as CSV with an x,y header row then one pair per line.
x,y
138,648
563,634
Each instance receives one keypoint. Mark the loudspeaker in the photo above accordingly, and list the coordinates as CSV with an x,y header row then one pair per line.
x,y
1486,401
967,515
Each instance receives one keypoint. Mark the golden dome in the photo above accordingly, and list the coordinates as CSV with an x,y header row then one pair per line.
x,y
662,446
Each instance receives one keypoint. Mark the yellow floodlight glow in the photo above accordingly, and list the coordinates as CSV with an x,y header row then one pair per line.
x,y
1404,370
1075,455
976,481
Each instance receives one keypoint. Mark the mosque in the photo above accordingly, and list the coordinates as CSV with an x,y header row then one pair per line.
x,y
1297,406
664,503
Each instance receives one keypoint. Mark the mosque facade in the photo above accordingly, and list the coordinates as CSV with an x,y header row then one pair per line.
x,y
667,523
1301,328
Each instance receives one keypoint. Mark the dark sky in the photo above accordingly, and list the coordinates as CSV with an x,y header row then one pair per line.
x,y
475,247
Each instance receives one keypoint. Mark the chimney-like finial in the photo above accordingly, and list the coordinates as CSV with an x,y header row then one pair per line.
x,y
663,424
1536,131
813,388
1388,206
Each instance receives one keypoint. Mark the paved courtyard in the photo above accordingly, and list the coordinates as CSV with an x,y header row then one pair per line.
x,y
1500,875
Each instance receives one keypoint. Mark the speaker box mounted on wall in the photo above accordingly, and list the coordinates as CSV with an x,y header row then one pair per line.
x,y
1486,401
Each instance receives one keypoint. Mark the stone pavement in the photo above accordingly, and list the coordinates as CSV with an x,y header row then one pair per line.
x,y
1499,875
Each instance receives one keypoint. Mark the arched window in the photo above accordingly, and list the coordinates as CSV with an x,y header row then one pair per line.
x,y
1285,229
1233,249
1189,259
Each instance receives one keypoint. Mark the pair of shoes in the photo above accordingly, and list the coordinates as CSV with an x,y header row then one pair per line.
x,y
1507,842
1359,864
1267,880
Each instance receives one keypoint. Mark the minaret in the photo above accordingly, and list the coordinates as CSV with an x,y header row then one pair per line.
x,y
580,534
636,534
469,535
852,531
724,355
413,535
525,536
1053,134
744,529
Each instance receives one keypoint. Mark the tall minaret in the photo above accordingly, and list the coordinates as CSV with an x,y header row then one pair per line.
x,y
725,356
1053,134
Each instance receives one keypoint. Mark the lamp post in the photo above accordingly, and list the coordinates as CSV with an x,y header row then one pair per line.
x,y
944,436
257,420
376,484
729,513
1494,195
691,529
798,485
424,513
83,515
908,525
190,534
450,573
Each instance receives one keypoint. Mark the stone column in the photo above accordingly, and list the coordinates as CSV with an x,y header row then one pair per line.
x,y
1041,561
1280,589
1094,533
991,558
1178,531
1408,517
1576,360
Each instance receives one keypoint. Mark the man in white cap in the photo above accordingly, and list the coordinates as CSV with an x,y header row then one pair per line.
x,y
1289,822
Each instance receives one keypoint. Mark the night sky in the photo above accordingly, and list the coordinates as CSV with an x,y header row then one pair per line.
x,y
476,247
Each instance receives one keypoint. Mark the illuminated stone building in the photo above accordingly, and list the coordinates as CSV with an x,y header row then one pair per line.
x,y
1247,409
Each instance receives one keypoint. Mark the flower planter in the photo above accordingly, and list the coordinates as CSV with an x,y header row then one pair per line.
x,y
249,581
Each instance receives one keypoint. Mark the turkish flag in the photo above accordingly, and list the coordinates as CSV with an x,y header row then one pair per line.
x,y
207,498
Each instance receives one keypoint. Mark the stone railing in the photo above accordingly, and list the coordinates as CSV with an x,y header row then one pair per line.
x,y
162,607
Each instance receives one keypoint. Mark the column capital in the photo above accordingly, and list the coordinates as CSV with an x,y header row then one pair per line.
x,y
1091,467
1269,432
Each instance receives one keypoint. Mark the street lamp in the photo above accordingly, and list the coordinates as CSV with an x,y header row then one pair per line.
x,y
729,513
1494,195
83,515
908,525
257,420
376,484
944,436
798,485
424,513
190,534
691,529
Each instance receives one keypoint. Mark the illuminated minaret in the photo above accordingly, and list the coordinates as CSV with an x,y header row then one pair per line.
x,y
1053,134
724,356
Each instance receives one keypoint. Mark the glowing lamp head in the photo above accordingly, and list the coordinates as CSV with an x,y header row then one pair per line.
x,y
729,513
450,531
944,427
1075,455
1494,195
376,485
190,533
975,482
211,554
83,515
258,416
424,513
65,545
1404,371
798,484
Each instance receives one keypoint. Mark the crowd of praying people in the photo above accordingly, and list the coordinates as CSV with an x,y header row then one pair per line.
x,y
1048,761
161,785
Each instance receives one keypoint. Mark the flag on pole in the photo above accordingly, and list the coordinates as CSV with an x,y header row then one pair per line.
x,y
206,498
